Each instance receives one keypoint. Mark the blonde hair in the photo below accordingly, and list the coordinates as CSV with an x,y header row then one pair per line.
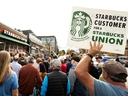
x,y
4,66
38,60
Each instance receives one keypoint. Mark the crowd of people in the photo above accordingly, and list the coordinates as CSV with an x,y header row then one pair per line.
x,y
75,75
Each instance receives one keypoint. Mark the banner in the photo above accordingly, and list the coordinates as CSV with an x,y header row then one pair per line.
x,y
105,26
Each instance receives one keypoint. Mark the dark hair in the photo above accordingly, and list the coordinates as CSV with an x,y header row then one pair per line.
x,y
43,59
119,78
73,54
55,57
34,57
20,54
22,58
12,54
98,57
15,58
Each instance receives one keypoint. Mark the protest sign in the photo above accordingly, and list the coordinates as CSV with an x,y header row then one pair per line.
x,y
105,26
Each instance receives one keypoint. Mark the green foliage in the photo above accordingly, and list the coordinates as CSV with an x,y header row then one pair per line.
x,y
69,51
100,53
111,54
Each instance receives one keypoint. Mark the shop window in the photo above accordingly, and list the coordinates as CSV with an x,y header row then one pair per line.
x,y
36,50
11,48
7,47
20,48
15,48
33,52
2,46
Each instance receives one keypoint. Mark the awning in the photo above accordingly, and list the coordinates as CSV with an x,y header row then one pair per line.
x,y
12,39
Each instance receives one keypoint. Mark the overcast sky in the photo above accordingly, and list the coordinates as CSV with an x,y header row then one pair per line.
x,y
50,17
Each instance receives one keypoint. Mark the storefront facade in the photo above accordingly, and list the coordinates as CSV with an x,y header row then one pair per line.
x,y
12,40
35,44
46,40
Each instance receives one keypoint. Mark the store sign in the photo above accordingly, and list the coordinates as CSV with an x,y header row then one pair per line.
x,y
33,47
41,49
37,46
34,39
14,35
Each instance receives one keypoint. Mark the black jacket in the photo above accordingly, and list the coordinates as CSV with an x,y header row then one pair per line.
x,y
57,83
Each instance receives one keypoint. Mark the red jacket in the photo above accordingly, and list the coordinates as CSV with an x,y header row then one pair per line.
x,y
63,67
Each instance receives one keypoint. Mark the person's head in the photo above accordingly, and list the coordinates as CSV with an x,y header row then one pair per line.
x,y
75,60
52,54
12,54
4,66
98,59
37,55
47,58
38,60
67,57
20,54
23,54
43,60
15,58
62,60
55,57
41,55
56,64
34,57
116,56
114,71
73,54
22,58
30,60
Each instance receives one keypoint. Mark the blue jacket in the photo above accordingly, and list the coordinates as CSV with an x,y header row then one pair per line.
x,y
77,87
69,65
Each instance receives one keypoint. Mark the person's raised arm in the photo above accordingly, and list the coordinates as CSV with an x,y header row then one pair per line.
x,y
82,68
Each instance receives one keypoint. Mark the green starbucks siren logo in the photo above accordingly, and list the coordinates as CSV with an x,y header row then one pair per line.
x,y
81,25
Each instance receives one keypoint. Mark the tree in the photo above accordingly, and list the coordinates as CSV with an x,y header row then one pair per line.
x,y
69,51
48,44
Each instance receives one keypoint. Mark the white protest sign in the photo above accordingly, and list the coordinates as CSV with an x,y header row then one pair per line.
x,y
108,27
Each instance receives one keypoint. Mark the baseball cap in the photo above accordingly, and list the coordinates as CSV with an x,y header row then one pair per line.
x,y
98,57
114,68
76,58
56,63
104,60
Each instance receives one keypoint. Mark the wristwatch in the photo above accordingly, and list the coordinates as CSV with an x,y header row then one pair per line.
x,y
90,55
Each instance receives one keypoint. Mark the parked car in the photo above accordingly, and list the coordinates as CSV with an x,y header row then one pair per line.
x,y
123,60
110,58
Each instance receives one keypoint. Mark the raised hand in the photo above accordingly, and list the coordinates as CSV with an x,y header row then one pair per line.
x,y
94,49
